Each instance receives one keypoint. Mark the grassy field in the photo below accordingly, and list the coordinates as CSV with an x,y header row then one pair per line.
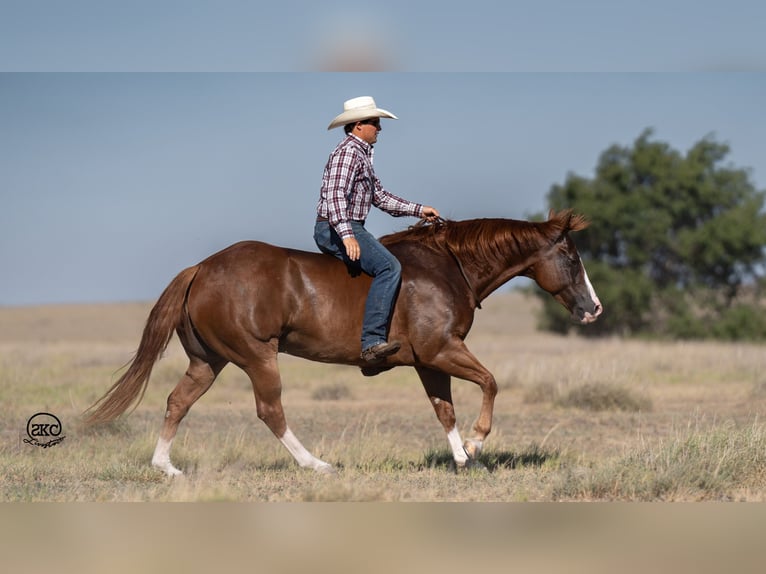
x,y
574,420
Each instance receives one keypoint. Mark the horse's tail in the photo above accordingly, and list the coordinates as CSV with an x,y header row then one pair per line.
x,y
131,386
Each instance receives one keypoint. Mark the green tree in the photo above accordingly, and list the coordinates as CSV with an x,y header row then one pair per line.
x,y
675,241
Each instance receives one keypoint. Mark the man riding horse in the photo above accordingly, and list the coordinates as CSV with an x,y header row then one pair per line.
x,y
349,189
252,301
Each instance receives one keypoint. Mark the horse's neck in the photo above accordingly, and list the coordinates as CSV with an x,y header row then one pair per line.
x,y
487,275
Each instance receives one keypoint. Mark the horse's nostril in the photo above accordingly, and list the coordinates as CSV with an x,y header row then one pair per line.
x,y
599,309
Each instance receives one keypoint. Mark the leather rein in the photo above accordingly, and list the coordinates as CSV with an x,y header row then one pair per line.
x,y
476,300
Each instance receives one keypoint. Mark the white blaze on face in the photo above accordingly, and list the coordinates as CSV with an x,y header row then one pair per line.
x,y
590,317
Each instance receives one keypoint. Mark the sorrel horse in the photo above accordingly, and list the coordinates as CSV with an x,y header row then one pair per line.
x,y
251,301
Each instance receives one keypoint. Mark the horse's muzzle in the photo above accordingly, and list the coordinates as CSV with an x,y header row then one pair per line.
x,y
591,317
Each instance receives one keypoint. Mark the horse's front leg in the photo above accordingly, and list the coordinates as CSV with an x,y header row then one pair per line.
x,y
456,360
438,389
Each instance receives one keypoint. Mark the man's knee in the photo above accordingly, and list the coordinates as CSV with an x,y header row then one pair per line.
x,y
391,272
396,267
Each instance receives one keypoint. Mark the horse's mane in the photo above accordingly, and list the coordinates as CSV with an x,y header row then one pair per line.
x,y
486,237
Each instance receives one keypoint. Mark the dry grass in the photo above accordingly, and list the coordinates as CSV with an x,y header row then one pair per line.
x,y
575,420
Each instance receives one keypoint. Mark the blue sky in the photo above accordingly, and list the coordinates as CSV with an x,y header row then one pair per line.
x,y
421,35
112,182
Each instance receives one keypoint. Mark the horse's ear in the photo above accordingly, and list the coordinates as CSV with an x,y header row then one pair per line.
x,y
562,217
577,222
569,220
566,221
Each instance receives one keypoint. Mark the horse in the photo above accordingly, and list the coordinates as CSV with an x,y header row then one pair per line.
x,y
252,300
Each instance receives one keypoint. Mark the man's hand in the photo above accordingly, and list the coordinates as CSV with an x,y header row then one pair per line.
x,y
352,248
429,213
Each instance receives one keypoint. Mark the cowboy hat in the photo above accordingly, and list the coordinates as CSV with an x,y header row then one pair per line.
x,y
358,109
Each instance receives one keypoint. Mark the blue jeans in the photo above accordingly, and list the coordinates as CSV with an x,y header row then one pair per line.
x,y
376,261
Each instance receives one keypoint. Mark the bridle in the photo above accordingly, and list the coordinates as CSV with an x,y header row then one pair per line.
x,y
471,289
476,300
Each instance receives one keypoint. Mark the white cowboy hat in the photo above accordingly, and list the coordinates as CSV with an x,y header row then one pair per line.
x,y
358,109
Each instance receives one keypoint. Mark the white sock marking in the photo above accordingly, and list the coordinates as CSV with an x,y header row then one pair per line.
x,y
303,457
456,443
161,457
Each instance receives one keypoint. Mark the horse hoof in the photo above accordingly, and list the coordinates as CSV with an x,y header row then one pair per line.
x,y
169,469
470,465
472,448
474,464
326,469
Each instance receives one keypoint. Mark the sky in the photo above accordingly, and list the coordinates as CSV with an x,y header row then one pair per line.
x,y
135,143
422,35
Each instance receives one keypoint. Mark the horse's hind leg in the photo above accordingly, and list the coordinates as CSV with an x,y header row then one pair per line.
x,y
439,391
267,386
195,382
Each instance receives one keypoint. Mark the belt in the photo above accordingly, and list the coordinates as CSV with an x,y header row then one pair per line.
x,y
322,218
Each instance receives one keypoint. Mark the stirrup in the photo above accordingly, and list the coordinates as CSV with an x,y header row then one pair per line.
x,y
377,353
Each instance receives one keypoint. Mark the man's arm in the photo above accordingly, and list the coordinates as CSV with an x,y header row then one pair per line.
x,y
341,171
397,206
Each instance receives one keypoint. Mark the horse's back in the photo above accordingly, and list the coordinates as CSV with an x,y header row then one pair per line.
x,y
272,292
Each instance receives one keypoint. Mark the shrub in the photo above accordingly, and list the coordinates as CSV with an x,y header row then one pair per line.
x,y
604,397
711,464
334,392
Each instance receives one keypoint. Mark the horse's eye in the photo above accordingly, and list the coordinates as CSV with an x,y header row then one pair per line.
x,y
576,267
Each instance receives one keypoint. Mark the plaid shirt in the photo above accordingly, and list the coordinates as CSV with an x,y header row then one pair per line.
x,y
350,187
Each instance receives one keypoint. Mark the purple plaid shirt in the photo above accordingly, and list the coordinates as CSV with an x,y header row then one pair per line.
x,y
350,187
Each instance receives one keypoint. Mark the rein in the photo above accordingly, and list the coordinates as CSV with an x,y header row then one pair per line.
x,y
476,300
